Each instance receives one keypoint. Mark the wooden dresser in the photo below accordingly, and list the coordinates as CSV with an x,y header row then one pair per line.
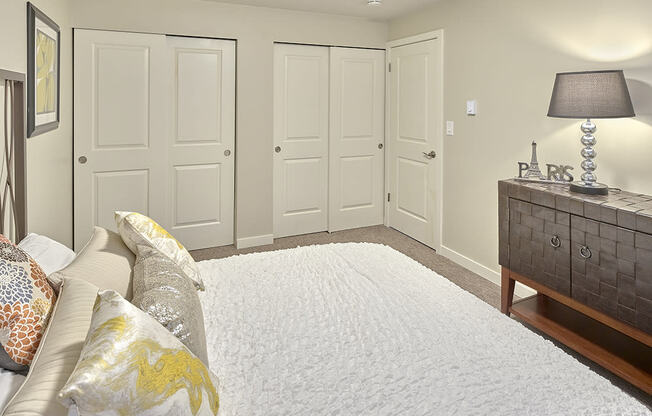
x,y
590,260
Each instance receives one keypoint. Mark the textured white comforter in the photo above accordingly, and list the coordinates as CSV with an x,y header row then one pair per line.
x,y
360,329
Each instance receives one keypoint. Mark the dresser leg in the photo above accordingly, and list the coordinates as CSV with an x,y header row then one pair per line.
x,y
506,291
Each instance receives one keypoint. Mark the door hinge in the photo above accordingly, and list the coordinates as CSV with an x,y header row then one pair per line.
x,y
389,67
389,197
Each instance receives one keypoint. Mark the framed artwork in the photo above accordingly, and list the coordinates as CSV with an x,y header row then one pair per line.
x,y
43,52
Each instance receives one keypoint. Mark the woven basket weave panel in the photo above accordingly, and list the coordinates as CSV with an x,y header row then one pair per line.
x,y
618,228
503,223
617,279
531,253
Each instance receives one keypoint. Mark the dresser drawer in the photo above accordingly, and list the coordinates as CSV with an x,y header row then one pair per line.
x,y
612,271
539,244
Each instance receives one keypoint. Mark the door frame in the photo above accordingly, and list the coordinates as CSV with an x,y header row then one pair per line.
x,y
439,139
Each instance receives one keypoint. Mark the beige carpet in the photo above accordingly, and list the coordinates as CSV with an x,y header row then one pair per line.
x,y
462,277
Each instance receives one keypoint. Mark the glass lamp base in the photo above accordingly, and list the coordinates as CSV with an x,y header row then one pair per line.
x,y
589,189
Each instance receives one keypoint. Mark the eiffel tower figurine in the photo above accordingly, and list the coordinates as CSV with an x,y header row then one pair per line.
x,y
533,172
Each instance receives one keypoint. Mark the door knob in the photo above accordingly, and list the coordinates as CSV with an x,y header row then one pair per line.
x,y
277,149
227,153
82,159
380,146
430,155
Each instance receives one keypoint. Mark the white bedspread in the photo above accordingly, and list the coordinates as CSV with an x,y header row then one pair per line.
x,y
361,329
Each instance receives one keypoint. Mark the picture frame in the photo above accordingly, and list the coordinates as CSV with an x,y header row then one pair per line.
x,y
43,72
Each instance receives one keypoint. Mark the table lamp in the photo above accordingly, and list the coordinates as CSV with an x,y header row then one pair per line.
x,y
589,95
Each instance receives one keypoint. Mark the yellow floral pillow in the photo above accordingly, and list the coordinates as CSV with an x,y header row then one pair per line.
x,y
131,365
138,229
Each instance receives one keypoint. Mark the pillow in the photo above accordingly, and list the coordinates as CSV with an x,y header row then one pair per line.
x,y
130,365
26,301
58,353
10,382
49,254
137,229
163,291
105,261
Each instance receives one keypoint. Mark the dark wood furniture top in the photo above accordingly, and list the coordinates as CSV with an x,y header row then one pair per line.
x,y
590,260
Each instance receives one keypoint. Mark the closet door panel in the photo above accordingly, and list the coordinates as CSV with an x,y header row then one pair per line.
x,y
119,141
201,141
301,79
357,129
155,133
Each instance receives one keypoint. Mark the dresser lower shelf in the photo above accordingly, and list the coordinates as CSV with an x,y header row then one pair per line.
x,y
618,353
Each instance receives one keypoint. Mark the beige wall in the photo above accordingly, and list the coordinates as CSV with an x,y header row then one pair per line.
x,y
505,54
502,52
256,29
49,156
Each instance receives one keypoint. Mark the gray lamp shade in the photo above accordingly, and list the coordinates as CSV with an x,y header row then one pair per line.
x,y
591,94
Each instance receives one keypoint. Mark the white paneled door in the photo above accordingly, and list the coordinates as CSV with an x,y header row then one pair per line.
x,y
357,129
120,148
154,123
201,141
415,140
301,80
328,138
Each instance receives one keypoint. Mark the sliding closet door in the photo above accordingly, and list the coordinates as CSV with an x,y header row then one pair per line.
x,y
301,79
155,133
357,129
201,141
120,128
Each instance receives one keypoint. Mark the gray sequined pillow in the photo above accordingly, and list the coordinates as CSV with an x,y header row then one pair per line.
x,y
162,289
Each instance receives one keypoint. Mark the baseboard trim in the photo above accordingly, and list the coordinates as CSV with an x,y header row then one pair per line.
x,y
255,241
483,271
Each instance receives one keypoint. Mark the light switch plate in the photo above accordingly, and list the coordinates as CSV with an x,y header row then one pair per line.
x,y
471,107
450,128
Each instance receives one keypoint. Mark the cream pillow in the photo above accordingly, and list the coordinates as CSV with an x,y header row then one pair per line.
x,y
131,365
137,229
105,261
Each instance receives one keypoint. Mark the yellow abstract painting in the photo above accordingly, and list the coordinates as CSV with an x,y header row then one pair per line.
x,y
46,76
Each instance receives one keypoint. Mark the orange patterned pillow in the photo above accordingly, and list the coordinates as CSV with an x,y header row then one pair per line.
x,y
26,300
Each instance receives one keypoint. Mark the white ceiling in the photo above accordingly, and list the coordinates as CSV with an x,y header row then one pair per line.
x,y
388,10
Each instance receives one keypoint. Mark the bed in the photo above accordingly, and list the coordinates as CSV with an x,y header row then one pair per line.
x,y
353,329
348,329
343,329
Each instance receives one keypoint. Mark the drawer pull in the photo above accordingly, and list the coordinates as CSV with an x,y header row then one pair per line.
x,y
555,242
585,252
